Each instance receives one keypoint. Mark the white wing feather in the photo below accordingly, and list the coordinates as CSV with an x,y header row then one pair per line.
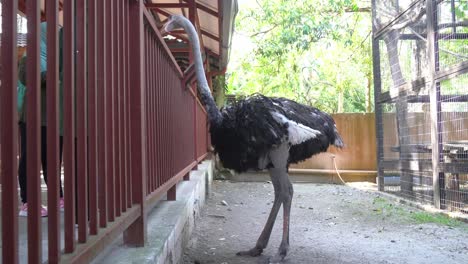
x,y
297,132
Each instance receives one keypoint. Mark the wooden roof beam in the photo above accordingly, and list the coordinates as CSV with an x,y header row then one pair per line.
x,y
205,9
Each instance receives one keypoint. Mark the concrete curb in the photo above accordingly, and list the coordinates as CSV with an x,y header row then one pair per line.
x,y
170,224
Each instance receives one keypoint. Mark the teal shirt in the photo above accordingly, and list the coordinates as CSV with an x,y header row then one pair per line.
x,y
43,68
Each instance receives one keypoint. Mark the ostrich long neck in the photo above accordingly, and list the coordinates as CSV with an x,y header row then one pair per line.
x,y
214,115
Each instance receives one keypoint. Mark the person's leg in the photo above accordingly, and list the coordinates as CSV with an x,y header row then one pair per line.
x,y
22,178
44,156
44,151
61,151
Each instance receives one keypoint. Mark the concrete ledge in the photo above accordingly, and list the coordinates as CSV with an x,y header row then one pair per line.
x,y
170,224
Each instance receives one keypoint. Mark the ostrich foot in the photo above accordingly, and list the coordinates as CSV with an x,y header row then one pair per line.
x,y
254,252
278,258
282,252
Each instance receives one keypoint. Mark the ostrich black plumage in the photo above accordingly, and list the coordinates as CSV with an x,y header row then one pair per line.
x,y
262,133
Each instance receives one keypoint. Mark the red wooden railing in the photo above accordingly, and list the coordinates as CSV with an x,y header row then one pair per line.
x,y
132,127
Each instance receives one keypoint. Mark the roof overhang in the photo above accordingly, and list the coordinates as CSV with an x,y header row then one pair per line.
x,y
214,20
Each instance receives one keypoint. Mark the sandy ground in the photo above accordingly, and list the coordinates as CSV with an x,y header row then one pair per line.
x,y
329,224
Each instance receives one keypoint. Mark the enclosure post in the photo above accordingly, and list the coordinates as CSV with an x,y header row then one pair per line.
x,y
53,167
9,133
434,95
33,133
69,157
136,233
378,106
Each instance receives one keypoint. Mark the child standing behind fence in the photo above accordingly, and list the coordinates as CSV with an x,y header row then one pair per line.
x,y
22,174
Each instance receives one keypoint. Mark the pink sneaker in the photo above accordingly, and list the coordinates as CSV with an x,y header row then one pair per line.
x,y
62,205
24,210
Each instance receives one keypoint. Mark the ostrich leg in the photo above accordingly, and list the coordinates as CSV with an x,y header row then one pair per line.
x,y
262,241
286,195
283,195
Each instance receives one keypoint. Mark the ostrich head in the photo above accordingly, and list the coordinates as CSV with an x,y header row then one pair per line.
x,y
173,22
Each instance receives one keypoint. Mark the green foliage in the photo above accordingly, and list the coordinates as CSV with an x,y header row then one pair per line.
x,y
310,51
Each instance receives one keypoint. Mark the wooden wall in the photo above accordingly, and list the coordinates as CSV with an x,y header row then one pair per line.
x,y
358,133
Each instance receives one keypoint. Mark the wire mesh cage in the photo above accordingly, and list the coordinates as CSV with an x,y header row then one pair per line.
x,y
421,94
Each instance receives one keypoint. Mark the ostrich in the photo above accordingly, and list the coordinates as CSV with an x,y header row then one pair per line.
x,y
262,133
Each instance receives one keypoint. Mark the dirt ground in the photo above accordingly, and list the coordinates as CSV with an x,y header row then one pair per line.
x,y
329,224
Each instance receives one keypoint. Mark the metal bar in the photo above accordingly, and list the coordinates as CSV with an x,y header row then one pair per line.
x,y
419,165
167,121
110,112
124,108
158,117
81,122
9,133
33,133
102,106
152,111
123,198
117,88
386,98
69,123
92,118
53,160
136,233
147,100
378,106
195,123
434,92
165,5
128,115
440,36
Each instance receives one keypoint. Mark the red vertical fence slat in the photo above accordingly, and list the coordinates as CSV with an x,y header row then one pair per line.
x,y
127,97
9,133
151,110
53,159
116,110
92,118
109,32
69,123
158,133
123,197
33,134
102,107
146,61
152,66
81,122
136,233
